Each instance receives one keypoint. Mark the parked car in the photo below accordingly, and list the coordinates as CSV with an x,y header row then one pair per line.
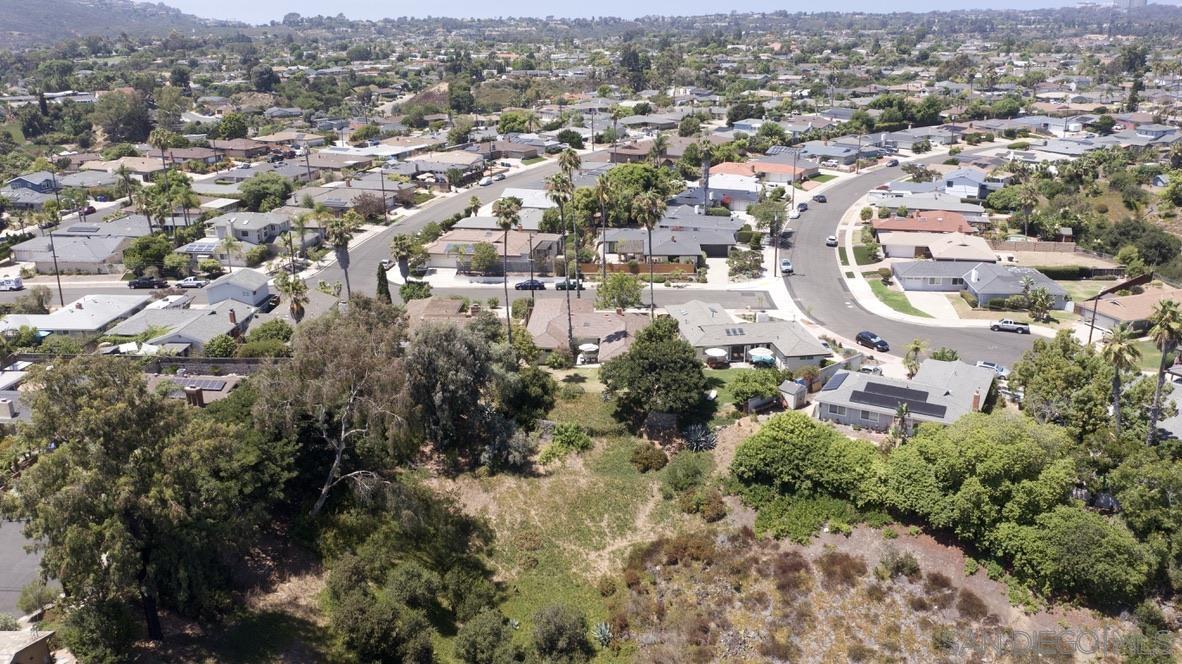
x,y
529,284
192,282
802,206
1001,371
568,284
831,241
892,162
89,209
1008,325
820,198
269,304
387,263
498,177
147,282
794,214
11,284
485,181
872,340
786,266
867,369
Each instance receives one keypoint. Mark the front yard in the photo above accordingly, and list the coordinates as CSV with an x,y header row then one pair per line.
x,y
894,299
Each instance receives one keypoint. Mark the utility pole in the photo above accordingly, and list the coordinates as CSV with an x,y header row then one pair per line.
x,y
57,274
307,164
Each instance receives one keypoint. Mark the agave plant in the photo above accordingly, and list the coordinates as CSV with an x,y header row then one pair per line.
x,y
699,438
603,634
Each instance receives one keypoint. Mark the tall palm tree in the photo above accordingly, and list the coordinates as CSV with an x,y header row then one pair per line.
x,y
339,232
401,248
648,209
297,294
508,214
231,245
660,146
162,139
1027,199
473,206
604,193
1166,331
127,183
911,358
569,162
560,189
1121,353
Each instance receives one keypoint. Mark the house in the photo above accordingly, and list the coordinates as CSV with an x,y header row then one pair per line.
x,y
253,227
26,647
439,163
941,392
342,199
132,226
187,331
823,151
197,389
925,222
629,153
72,254
988,282
1131,310
434,309
937,246
970,183
239,148
42,182
529,219
934,202
246,286
291,138
944,277
668,246
612,332
88,180
87,316
784,168
26,199
708,326
495,150
453,249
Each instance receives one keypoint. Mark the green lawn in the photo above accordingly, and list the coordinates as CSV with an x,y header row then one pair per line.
x,y
843,256
893,299
1150,355
863,255
532,160
720,379
823,177
1082,290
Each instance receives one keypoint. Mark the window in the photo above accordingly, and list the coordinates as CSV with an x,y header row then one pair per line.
x,y
834,409
957,281
868,416
933,281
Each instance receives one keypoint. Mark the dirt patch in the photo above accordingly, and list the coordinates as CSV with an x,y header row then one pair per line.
x,y
729,438
1057,258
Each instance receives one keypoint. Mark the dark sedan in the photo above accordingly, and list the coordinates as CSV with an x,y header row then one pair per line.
x,y
872,340
529,284
147,282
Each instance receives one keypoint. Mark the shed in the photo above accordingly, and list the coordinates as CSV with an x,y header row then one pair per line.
x,y
793,395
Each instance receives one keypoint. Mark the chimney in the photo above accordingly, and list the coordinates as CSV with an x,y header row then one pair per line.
x,y
974,276
7,409
194,396
78,304
233,317
976,400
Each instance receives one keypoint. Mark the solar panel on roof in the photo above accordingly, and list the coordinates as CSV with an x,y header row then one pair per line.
x,y
82,229
898,392
835,382
886,401
208,384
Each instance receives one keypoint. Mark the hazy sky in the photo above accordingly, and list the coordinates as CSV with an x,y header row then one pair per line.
x,y
261,11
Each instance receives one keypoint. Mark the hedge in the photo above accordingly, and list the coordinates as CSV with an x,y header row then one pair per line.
x,y
718,212
1066,272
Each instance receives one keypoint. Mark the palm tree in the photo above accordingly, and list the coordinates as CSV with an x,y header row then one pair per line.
x,y
560,189
1027,199
1166,331
231,245
473,206
127,184
162,139
911,358
297,294
604,193
660,146
1039,303
902,423
507,211
339,232
569,162
1121,353
648,209
401,249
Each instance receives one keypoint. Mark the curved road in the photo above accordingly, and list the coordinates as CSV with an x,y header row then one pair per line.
x,y
819,288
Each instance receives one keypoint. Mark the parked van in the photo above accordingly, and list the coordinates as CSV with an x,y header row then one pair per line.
x,y
11,284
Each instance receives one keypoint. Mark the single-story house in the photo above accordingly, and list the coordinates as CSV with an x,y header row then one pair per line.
x,y
26,199
708,325
292,138
668,246
536,199
454,248
930,221
612,332
935,202
145,169
970,183
822,151
239,148
1131,310
342,199
192,328
88,315
246,286
72,254
88,180
494,150
941,392
132,226
990,281
937,246
435,309
252,227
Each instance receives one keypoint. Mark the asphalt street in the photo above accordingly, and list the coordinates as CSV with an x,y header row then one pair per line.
x,y
819,288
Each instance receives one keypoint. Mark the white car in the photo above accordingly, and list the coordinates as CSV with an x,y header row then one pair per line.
x,y
794,214
484,182
11,284
192,282
831,241
786,266
1001,371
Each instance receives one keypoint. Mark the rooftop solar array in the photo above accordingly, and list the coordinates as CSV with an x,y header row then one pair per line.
x,y
207,384
835,382
899,392
201,246
892,402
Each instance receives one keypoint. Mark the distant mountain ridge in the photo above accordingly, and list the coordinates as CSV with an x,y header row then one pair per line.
x,y
28,23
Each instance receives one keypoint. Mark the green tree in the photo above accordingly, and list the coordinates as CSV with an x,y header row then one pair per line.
x,y
484,257
560,634
620,291
223,345
338,234
659,373
507,211
122,116
296,292
1165,329
1121,353
649,209
161,492
263,78
231,126
755,384
383,286
487,639
265,192
145,252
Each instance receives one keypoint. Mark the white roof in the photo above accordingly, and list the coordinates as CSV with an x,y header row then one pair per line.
x,y
89,313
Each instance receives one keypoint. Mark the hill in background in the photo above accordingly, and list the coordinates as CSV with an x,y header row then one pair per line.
x,y
26,24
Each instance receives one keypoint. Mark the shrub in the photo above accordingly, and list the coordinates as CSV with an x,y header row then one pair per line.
x,y
560,359
276,328
223,345
646,457
468,592
1066,272
866,214
885,274
718,211
606,586
706,502
1019,145
970,606
567,438
1102,208
264,348
798,519
969,298
486,639
519,308
99,632
841,570
884,213
560,633
570,391
35,596
699,438
686,471
414,290
895,564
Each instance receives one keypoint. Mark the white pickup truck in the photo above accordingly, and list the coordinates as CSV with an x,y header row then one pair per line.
x,y
1007,325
